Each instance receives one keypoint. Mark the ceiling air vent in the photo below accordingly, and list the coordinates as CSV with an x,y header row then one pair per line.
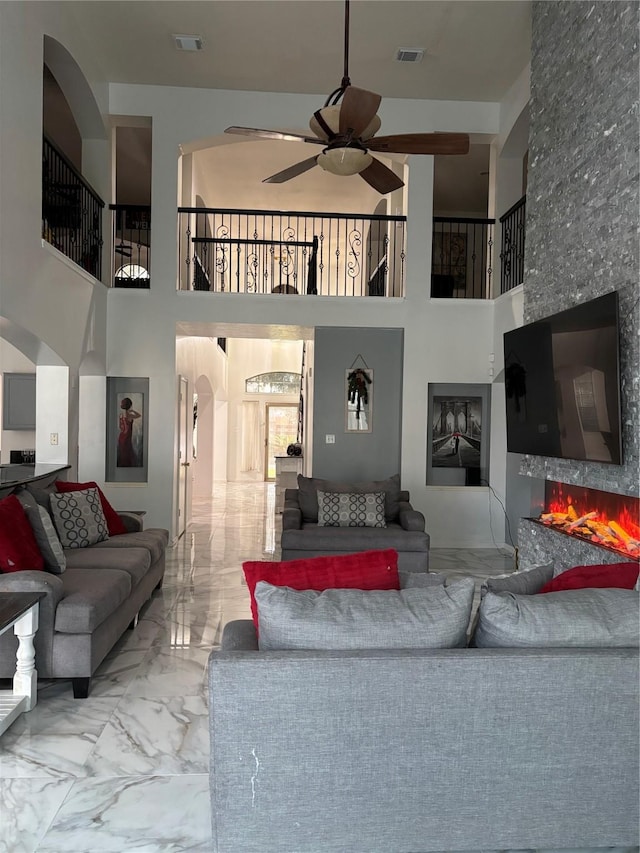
x,y
409,54
187,42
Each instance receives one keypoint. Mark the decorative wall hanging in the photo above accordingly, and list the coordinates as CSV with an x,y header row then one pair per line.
x,y
359,397
127,429
458,434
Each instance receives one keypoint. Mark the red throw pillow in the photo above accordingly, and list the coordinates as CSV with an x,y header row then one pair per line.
x,y
18,547
607,575
365,570
114,523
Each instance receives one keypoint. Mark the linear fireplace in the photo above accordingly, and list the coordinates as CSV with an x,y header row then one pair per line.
x,y
607,520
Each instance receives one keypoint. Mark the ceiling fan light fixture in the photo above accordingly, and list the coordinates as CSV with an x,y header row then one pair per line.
x,y
344,161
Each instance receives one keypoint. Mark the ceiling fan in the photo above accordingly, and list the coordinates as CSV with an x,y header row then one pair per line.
x,y
347,131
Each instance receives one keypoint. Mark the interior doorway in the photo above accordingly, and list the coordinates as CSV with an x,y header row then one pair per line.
x,y
281,431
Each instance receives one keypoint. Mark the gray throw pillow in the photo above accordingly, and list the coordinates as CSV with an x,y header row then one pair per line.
x,y
351,510
422,580
45,534
527,582
608,618
308,488
79,518
357,619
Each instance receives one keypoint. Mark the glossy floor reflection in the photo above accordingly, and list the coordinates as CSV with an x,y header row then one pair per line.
x,y
127,768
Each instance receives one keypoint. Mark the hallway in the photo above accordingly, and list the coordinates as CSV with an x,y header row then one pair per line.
x,y
127,768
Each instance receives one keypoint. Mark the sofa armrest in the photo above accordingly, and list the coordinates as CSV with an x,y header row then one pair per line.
x,y
132,521
291,512
34,581
239,636
410,518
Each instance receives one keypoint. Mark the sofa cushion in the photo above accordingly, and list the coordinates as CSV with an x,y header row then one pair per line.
x,y
620,575
308,494
155,540
579,617
78,518
134,561
526,582
364,570
44,532
312,537
18,547
351,510
114,522
355,619
90,596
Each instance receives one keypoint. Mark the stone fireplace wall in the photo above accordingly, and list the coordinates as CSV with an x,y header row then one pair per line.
x,y
583,196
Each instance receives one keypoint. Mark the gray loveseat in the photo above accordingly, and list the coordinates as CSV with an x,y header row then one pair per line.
x,y
88,606
303,537
434,749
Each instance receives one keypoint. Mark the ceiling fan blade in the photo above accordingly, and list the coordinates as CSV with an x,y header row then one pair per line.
x,y
357,109
273,134
381,178
421,143
291,171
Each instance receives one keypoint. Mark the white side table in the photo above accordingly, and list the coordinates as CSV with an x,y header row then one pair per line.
x,y
19,611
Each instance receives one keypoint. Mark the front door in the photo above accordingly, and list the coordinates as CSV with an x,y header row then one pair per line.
x,y
281,431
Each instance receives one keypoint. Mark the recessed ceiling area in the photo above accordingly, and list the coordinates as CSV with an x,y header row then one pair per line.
x,y
474,50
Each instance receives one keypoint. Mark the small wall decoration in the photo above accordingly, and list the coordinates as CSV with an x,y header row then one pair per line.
x,y
359,397
457,452
127,429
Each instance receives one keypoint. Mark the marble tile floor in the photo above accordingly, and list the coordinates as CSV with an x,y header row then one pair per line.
x,y
127,769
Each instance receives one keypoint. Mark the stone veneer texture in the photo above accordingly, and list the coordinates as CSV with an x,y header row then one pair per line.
x,y
540,545
583,196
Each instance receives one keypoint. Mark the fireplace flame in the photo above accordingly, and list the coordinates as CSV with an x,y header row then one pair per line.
x,y
621,534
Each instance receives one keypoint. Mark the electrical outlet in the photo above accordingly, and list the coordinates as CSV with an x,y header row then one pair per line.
x,y
330,439
53,438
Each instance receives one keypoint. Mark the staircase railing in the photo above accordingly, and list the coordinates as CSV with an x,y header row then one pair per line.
x,y
291,252
513,242
71,211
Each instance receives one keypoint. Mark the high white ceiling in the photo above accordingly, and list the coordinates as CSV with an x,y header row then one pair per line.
x,y
474,49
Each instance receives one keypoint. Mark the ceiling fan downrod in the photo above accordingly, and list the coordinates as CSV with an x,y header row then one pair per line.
x,y
335,96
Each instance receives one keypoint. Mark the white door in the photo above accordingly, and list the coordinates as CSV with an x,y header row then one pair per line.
x,y
184,409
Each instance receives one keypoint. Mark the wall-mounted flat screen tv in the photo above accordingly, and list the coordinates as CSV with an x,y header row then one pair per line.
x,y
562,384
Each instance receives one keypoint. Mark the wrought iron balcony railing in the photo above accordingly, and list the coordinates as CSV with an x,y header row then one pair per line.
x,y
131,228
513,240
262,251
71,211
461,258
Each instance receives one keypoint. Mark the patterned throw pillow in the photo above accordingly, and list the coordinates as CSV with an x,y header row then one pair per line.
x,y
79,518
351,510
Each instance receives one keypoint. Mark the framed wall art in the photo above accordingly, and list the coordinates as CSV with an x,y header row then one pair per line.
x,y
358,399
127,429
458,434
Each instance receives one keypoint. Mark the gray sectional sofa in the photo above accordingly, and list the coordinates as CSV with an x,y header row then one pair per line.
x,y
430,749
303,537
89,605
